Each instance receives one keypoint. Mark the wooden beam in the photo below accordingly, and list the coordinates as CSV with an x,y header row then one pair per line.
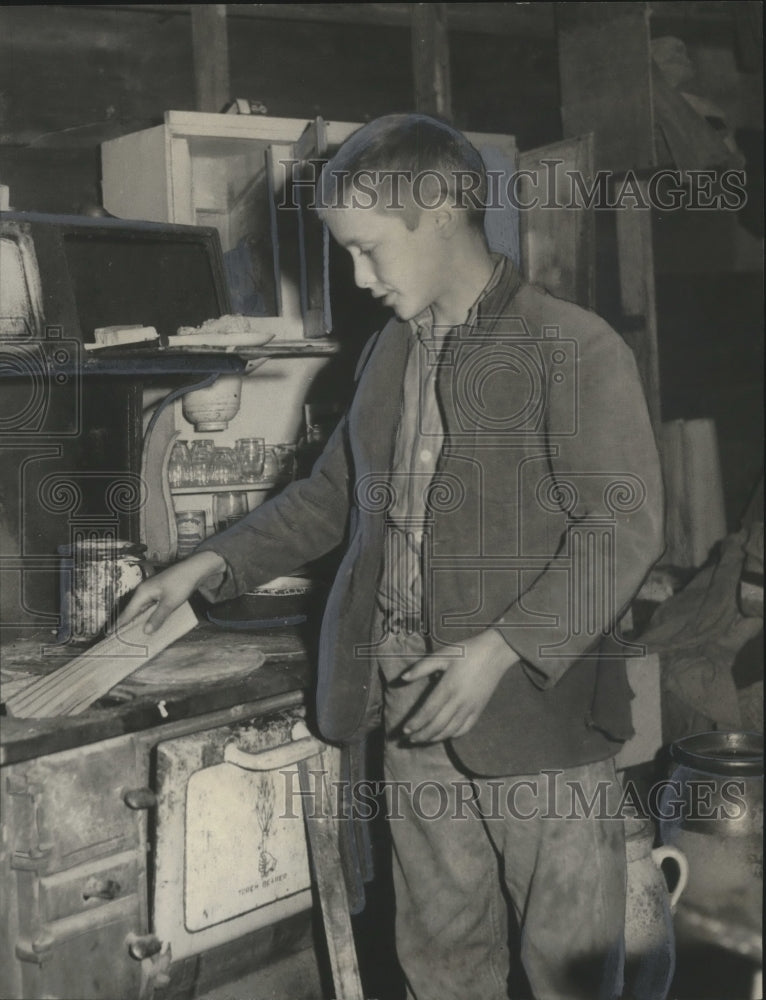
x,y
710,11
517,20
635,255
430,59
748,20
211,56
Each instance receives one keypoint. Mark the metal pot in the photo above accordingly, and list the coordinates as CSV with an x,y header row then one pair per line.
x,y
712,810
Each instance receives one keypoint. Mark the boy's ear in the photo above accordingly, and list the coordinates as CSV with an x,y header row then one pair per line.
x,y
445,220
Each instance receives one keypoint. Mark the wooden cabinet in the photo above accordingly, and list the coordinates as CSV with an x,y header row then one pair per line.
x,y
232,172
73,870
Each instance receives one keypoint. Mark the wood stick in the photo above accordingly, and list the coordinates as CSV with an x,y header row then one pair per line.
x,y
75,686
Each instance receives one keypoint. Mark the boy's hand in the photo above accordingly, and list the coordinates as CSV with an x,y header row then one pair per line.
x,y
169,589
465,687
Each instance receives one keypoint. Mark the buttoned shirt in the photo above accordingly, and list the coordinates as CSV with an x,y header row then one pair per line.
x,y
402,604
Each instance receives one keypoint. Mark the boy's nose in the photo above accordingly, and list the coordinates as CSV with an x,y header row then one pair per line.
x,y
363,275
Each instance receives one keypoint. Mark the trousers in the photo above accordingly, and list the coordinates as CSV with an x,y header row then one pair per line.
x,y
548,845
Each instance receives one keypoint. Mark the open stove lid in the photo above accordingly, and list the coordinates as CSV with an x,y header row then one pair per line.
x,y
195,662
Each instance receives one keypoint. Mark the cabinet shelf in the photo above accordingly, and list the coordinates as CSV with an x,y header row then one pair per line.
x,y
316,348
259,487
67,358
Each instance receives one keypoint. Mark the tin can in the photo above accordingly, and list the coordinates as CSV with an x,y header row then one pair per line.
x,y
190,526
96,573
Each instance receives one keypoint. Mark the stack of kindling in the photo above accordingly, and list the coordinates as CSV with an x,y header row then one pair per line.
x,y
78,684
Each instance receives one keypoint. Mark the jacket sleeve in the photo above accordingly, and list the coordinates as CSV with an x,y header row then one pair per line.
x,y
606,477
306,520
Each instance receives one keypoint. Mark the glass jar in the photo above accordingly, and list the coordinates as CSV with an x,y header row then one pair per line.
x,y
201,454
180,466
270,465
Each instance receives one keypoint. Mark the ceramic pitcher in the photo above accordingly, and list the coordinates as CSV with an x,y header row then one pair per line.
x,y
649,936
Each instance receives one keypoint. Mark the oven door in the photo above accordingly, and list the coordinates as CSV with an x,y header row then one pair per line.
x,y
230,844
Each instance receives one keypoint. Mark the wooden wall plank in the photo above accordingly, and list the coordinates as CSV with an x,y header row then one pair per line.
x,y
210,44
637,295
605,74
430,59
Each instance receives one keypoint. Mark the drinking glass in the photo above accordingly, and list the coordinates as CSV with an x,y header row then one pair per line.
x,y
225,468
252,455
271,465
228,508
285,455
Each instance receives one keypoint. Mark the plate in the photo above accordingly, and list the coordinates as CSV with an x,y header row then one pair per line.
x,y
285,585
218,341
255,624
286,600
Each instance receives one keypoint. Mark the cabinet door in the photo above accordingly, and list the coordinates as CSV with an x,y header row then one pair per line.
x,y
74,874
313,236
134,171
501,218
250,184
557,227
86,958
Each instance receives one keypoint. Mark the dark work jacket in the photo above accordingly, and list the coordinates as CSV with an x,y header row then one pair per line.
x,y
545,516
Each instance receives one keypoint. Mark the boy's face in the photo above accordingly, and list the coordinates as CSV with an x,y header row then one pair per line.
x,y
402,267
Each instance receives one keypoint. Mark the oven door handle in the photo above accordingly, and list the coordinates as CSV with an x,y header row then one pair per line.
x,y
276,757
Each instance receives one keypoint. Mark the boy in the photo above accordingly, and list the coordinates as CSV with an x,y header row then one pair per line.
x,y
498,480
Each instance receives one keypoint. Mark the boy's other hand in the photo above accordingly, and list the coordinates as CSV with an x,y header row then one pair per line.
x,y
170,588
466,685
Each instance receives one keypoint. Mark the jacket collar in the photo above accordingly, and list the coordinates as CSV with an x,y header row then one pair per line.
x,y
502,286
491,309
498,293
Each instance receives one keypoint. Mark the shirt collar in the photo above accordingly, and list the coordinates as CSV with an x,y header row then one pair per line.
x,y
422,325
